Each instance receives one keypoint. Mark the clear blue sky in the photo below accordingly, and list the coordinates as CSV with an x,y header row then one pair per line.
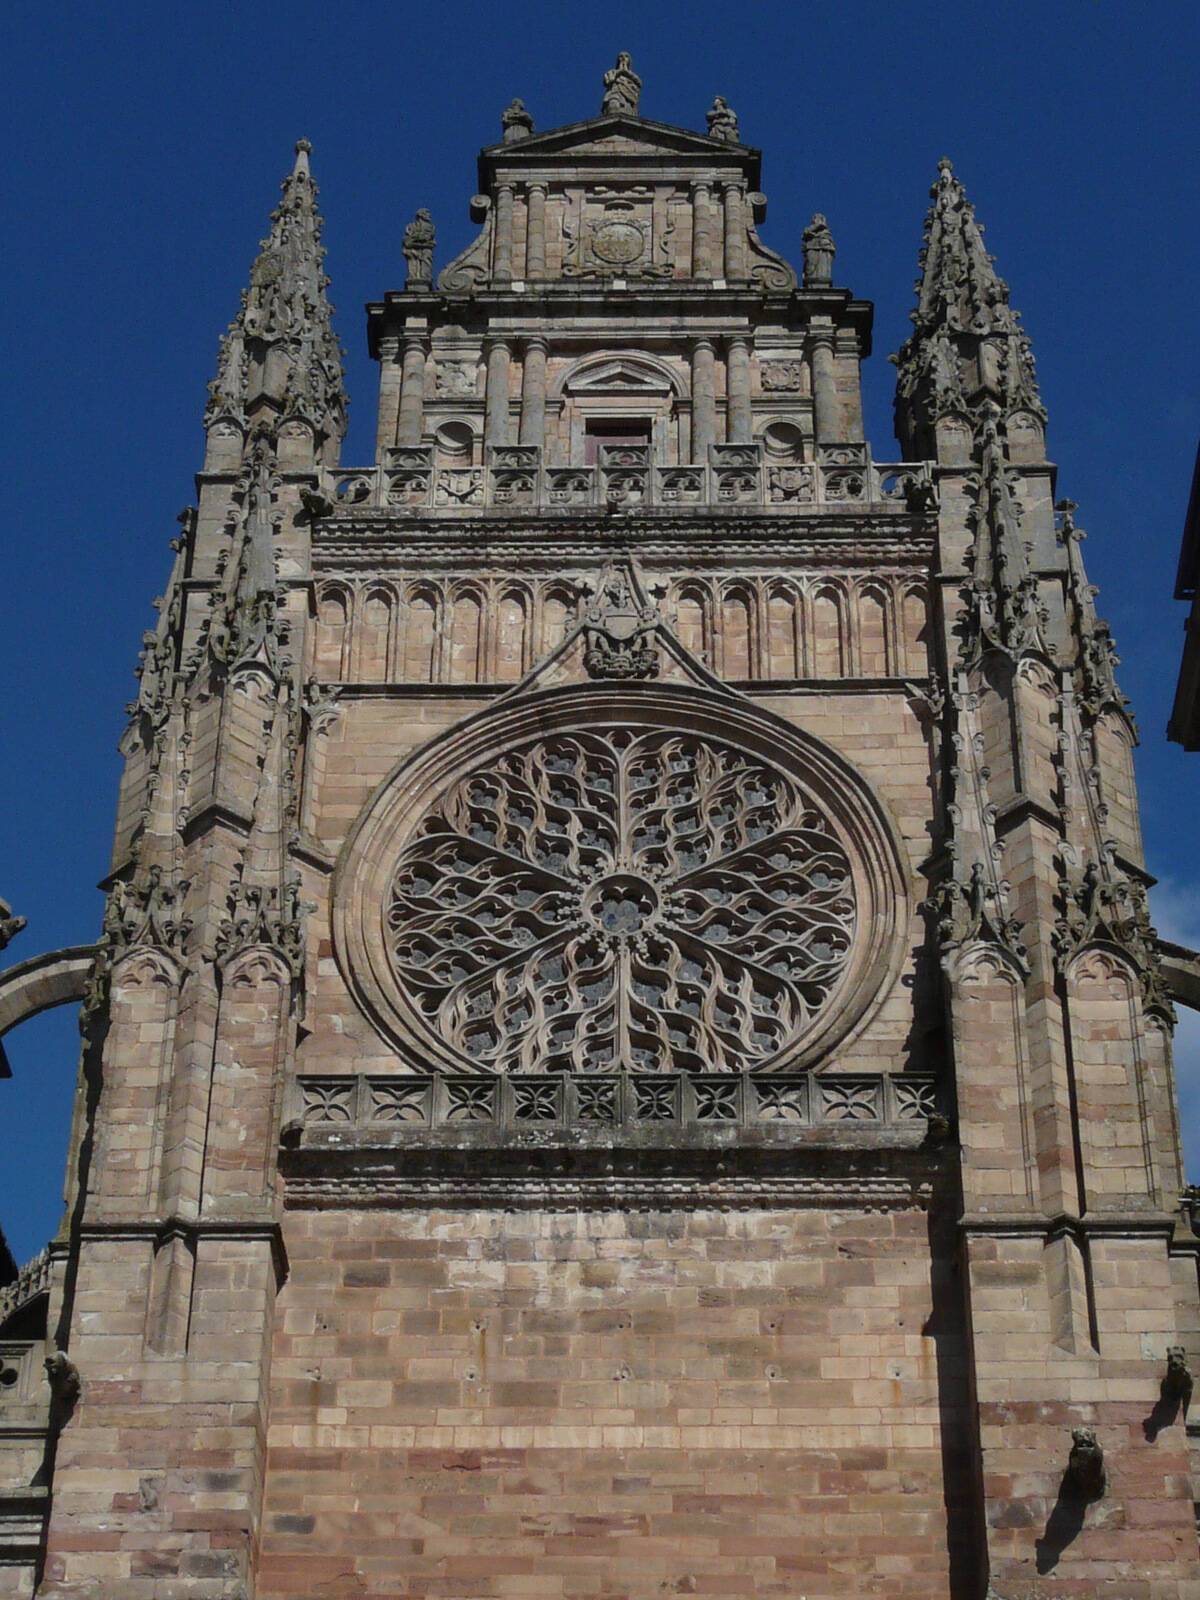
x,y
144,148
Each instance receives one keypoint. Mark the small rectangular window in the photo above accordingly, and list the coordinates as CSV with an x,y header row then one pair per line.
x,y
613,431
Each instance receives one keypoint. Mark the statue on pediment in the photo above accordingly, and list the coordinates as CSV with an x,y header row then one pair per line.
x,y
622,88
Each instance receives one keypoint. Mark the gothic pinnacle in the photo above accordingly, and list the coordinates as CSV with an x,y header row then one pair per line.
x,y
967,344
280,361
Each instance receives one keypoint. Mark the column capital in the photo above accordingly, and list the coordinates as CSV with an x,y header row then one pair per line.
x,y
416,341
536,341
497,341
389,347
703,343
537,186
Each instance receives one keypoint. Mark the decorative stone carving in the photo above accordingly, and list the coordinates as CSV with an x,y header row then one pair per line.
x,y
966,913
619,631
419,240
782,376
146,913
265,915
1005,610
819,251
455,378
722,122
622,88
516,122
1085,1465
10,926
1103,906
641,902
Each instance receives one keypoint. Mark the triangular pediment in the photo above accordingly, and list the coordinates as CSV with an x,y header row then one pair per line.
x,y
620,135
627,376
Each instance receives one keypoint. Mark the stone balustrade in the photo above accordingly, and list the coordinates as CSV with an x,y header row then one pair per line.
x,y
629,478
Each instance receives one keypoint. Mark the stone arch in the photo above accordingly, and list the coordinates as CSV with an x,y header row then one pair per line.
x,y
513,608
692,607
417,656
739,632
874,629
335,611
55,978
374,633
783,651
468,610
830,631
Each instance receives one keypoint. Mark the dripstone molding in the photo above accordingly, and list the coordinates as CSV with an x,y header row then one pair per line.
x,y
626,1054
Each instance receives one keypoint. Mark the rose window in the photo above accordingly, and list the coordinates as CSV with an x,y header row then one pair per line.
x,y
621,900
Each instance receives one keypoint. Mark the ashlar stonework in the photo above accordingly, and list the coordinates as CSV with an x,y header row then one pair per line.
x,y
626,1055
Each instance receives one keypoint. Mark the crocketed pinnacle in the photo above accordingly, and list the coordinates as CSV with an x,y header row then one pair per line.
x,y
280,358
967,343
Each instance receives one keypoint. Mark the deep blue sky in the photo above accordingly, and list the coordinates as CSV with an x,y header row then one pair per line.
x,y
144,148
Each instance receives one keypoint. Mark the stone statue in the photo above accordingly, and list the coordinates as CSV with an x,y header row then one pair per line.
x,y
819,251
722,121
622,88
419,239
516,122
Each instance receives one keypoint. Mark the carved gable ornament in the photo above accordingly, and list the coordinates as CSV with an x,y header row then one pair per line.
x,y
633,876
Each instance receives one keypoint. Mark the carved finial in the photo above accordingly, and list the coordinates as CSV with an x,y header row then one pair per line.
x,y
419,240
279,358
722,121
516,122
819,251
1085,1465
10,926
622,88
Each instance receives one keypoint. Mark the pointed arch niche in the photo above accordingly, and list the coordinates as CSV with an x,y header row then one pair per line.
x,y
623,389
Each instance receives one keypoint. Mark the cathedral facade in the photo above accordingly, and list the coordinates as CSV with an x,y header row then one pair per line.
x,y
626,1054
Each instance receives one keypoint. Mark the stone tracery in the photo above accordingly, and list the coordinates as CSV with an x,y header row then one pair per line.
x,y
646,900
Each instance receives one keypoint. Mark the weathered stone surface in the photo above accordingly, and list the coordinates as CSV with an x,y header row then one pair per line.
x,y
626,1054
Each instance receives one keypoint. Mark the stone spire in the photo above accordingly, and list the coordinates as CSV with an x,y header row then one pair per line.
x,y
280,361
967,344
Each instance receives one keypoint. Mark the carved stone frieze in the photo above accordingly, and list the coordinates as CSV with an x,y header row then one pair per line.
x,y
619,630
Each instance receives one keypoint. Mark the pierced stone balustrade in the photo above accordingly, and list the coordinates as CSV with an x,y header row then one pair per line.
x,y
516,478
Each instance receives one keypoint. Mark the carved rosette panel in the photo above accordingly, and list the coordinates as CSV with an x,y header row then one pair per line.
x,y
636,878
639,901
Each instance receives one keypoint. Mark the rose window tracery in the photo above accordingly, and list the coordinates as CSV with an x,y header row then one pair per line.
x,y
621,899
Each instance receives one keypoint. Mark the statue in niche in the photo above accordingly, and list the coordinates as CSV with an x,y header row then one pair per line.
x,y
419,240
516,122
722,121
819,251
622,88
